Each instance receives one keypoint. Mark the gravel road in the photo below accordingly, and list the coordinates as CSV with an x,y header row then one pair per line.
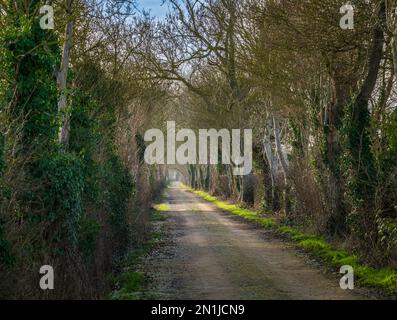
x,y
209,254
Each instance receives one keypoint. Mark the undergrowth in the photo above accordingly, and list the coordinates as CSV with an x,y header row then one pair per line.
x,y
131,283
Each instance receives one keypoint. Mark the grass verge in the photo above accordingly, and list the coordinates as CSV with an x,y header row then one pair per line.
x,y
384,279
131,282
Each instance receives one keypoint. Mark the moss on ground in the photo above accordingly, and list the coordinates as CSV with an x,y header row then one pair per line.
x,y
236,210
379,278
131,286
162,207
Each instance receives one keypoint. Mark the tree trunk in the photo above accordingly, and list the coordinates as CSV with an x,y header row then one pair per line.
x,y
64,131
394,52
268,152
340,98
360,144
284,164
358,138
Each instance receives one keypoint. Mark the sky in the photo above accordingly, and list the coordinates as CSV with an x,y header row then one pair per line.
x,y
155,6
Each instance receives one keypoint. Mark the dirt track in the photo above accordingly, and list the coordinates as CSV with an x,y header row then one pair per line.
x,y
209,254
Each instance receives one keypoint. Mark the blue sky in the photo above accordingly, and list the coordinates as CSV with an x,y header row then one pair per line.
x,y
155,6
